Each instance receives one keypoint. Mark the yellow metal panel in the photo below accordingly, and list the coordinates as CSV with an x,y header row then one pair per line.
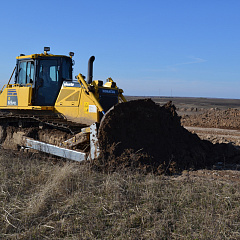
x,y
70,112
74,97
64,93
14,96
67,103
108,84
3,98
88,111
24,96
84,112
68,96
86,106
39,55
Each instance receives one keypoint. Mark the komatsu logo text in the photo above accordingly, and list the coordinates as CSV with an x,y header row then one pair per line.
x,y
108,91
70,84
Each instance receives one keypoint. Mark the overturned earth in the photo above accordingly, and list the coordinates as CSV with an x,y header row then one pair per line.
x,y
146,137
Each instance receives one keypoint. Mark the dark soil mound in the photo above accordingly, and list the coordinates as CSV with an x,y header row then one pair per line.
x,y
144,136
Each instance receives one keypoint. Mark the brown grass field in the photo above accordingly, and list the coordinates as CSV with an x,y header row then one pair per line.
x,y
45,198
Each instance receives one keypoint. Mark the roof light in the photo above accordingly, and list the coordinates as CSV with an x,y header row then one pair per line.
x,y
46,49
71,54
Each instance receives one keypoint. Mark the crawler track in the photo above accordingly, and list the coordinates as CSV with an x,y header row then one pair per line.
x,y
39,119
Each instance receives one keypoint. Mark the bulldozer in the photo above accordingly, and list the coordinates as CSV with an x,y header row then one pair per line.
x,y
82,119
45,96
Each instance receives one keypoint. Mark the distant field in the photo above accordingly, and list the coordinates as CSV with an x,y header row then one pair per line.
x,y
179,102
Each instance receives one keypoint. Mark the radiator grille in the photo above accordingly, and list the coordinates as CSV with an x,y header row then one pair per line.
x,y
73,97
64,93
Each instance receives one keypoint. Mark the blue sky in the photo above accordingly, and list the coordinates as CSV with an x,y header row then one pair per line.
x,y
149,47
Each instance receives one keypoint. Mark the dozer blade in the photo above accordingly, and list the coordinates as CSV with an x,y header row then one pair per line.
x,y
63,151
136,126
55,150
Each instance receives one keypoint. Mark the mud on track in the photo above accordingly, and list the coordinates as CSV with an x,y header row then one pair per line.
x,y
10,136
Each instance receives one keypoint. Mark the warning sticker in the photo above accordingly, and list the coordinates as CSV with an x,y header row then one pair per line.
x,y
92,109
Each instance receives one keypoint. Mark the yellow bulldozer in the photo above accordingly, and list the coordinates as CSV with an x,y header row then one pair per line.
x,y
46,110
44,95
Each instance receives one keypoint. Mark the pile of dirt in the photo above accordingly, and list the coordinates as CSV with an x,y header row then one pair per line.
x,y
214,118
143,136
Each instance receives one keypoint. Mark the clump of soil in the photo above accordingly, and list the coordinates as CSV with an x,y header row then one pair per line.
x,y
141,135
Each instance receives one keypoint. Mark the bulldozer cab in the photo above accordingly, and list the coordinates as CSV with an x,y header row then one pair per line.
x,y
46,73
49,78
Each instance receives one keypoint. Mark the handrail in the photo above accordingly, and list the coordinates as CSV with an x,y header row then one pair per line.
x,y
3,88
11,75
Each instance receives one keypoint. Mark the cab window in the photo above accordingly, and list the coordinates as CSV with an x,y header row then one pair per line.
x,y
53,73
22,73
66,69
30,72
26,72
48,71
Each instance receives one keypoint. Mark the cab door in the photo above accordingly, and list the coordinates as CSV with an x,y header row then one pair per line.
x,y
48,82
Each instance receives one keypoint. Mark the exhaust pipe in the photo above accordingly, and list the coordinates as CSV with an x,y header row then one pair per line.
x,y
90,69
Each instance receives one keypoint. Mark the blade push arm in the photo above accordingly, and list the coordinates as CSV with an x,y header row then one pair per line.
x,y
92,96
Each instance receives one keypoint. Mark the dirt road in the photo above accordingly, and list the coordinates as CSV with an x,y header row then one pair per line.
x,y
217,135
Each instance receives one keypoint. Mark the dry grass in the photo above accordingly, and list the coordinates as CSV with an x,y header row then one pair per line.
x,y
40,199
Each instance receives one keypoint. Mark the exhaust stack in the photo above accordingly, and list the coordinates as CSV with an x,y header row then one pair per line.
x,y
90,69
